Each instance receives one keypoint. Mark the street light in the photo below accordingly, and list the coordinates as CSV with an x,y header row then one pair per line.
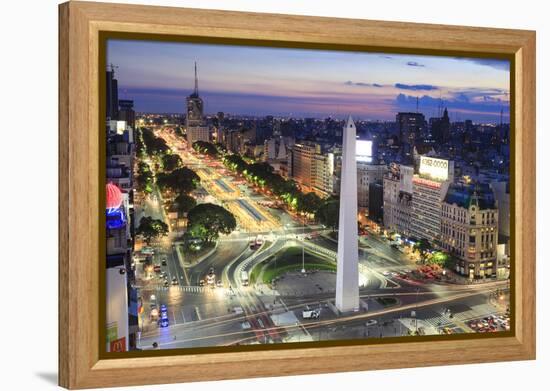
x,y
303,244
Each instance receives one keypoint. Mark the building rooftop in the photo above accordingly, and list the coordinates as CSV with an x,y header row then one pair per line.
x,y
465,195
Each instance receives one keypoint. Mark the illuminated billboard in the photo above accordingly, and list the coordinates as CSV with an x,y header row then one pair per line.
x,y
120,127
363,151
437,169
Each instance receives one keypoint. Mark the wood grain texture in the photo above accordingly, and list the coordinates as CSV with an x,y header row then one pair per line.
x,y
63,219
79,256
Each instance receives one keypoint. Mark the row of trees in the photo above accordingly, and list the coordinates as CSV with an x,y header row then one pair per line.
x,y
140,147
158,150
144,178
328,212
154,145
205,222
262,175
171,161
206,148
151,228
429,255
182,180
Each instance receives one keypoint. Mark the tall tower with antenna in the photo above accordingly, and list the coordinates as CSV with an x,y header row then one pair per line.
x,y
196,128
196,92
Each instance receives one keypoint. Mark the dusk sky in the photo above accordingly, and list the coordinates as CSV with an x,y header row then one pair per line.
x,y
307,83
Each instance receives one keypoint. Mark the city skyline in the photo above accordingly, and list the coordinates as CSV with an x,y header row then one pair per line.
x,y
226,230
261,81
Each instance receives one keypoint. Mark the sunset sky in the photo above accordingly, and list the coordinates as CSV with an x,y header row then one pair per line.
x,y
307,83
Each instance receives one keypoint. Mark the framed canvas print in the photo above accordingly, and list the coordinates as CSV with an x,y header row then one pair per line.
x,y
272,194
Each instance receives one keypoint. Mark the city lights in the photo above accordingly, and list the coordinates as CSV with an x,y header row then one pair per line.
x,y
228,226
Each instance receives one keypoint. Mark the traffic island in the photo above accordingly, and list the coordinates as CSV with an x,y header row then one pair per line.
x,y
191,257
289,261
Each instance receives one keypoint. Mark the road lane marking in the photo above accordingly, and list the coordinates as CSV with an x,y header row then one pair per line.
x,y
198,313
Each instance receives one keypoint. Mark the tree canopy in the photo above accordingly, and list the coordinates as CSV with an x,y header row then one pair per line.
x,y
154,145
308,203
185,203
206,148
423,246
181,180
261,174
442,259
144,178
171,161
151,228
328,212
235,162
208,221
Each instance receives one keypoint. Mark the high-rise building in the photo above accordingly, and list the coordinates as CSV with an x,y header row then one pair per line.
x,y
367,173
398,198
376,201
440,128
501,189
126,112
312,169
469,229
196,127
112,95
429,188
276,152
411,126
233,141
121,306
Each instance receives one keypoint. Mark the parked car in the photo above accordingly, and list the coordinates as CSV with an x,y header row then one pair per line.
x,y
371,322
311,314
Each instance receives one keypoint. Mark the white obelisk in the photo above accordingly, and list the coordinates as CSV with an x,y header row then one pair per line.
x,y
347,273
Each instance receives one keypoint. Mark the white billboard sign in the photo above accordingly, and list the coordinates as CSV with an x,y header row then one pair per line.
x,y
437,169
363,151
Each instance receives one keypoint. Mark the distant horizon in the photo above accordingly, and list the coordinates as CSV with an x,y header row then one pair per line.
x,y
304,83
339,118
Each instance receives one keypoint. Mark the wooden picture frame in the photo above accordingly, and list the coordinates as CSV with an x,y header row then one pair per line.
x,y
80,23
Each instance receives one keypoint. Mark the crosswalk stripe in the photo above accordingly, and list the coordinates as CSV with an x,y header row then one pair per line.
x,y
185,288
477,311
